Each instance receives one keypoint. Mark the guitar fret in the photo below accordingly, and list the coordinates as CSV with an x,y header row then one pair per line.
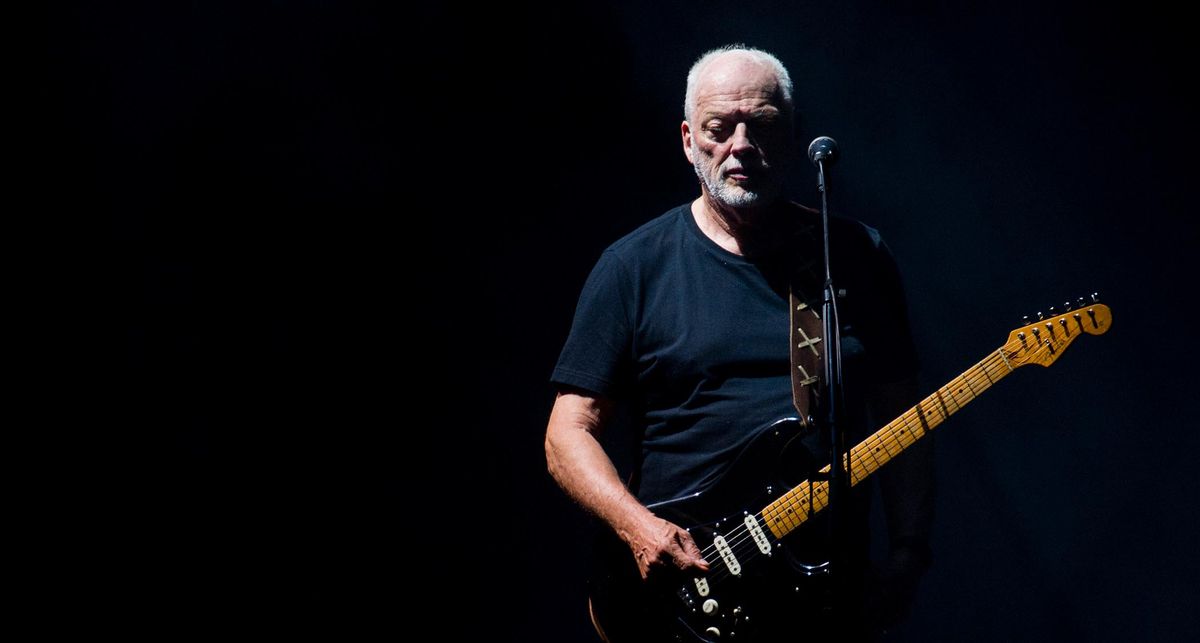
x,y
945,409
877,445
887,449
967,383
1001,367
993,371
936,415
930,417
1000,351
793,508
954,398
921,417
749,538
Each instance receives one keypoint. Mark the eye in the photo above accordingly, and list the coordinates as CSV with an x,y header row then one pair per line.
x,y
717,130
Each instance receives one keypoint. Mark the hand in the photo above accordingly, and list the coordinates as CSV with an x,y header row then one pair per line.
x,y
657,544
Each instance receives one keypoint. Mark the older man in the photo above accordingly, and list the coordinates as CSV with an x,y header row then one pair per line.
x,y
686,319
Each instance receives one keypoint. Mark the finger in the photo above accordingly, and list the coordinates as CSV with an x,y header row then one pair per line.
x,y
686,558
693,550
643,563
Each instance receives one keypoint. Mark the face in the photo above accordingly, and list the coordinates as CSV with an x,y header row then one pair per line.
x,y
738,133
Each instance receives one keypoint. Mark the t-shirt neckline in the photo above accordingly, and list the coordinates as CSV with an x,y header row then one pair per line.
x,y
706,241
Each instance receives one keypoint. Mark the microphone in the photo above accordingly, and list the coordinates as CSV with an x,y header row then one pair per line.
x,y
824,149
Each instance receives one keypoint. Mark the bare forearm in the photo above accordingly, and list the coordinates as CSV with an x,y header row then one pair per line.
x,y
579,464
582,468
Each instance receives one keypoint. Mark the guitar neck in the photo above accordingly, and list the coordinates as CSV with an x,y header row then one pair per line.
x,y
793,508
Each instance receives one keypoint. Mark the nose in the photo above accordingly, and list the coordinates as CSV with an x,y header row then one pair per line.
x,y
740,142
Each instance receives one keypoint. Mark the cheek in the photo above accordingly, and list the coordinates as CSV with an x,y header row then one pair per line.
x,y
712,150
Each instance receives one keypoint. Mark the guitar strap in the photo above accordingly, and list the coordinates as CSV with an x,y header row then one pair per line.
x,y
806,329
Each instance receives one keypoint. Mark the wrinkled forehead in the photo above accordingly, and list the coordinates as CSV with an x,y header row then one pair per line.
x,y
736,82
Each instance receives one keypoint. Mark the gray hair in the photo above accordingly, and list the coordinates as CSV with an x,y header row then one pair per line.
x,y
757,55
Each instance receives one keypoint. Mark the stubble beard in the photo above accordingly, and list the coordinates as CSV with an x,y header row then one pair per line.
x,y
766,190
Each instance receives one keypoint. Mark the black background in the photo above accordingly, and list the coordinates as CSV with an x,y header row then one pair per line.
x,y
339,246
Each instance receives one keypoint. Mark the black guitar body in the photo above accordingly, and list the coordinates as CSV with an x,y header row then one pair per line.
x,y
757,588
741,591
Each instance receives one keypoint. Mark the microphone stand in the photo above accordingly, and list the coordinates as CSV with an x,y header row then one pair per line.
x,y
839,479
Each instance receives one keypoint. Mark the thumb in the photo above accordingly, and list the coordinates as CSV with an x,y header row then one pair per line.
x,y
692,550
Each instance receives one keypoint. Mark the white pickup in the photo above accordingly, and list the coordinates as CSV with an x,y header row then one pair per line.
x,y
760,537
731,561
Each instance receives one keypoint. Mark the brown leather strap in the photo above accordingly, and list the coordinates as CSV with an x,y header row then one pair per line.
x,y
807,345
806,349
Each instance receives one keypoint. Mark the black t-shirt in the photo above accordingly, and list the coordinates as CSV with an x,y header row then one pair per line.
x,y
696,339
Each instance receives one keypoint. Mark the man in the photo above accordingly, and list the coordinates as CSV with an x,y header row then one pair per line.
x,y
687,321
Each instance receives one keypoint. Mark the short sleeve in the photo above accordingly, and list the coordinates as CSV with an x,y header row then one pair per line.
x,y
598,348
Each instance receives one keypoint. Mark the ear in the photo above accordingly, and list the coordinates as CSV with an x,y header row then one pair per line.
x,y
685,131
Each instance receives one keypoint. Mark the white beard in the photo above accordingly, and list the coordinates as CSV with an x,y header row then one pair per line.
x,y
734,196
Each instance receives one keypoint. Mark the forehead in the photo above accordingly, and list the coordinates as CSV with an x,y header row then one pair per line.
x,y
737,84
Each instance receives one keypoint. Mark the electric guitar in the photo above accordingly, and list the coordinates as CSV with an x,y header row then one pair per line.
x,y
740,522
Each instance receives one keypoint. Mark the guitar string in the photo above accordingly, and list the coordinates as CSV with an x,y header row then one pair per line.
x,y
978,374
911,419
890,439
976,379
908,422
741,538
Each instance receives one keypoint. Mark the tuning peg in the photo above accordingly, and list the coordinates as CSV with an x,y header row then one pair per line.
x,y
1095,298
1066,306
1053,311
1040,316
1082,302
1025,320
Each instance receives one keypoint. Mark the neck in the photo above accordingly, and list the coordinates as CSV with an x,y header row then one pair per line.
x,y
742,231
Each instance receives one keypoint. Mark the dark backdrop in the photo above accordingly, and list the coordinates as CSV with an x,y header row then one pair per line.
x,y
340,244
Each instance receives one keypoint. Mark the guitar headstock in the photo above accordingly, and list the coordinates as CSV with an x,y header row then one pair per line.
x,y
1042,341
